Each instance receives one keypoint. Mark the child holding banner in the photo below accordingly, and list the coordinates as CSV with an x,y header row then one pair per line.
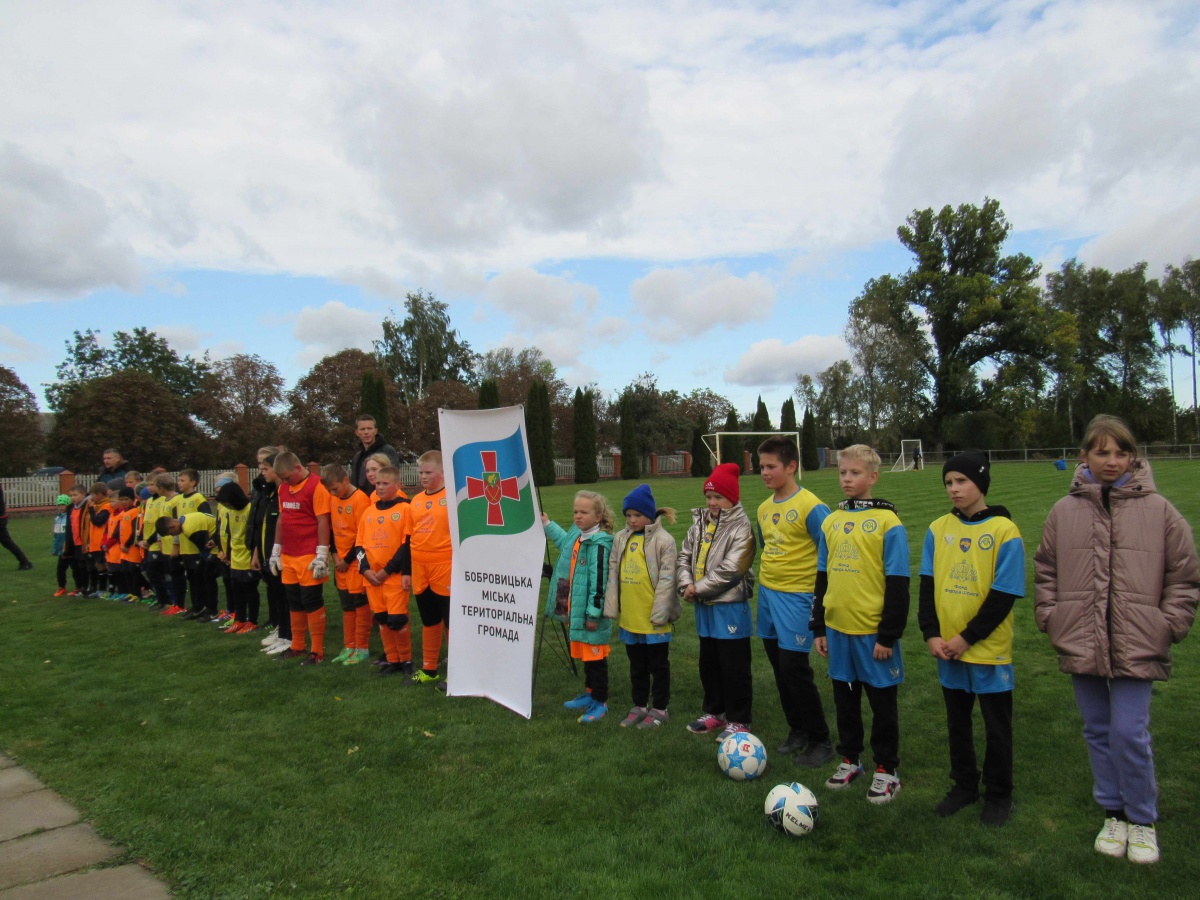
x,y
641,591
576,596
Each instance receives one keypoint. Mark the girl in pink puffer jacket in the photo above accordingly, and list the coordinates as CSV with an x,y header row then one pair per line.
x,y
1117,582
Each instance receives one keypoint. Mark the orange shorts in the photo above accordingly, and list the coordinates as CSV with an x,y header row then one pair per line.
x,y
427,575
390,597
350,581
295,570
589,652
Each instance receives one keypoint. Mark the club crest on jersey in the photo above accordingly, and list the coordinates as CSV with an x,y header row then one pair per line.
x,y
986,542
964,544
442,502
395,517
870,525
633,545
775,518
708,538
792,515
848,527
429,504
381,518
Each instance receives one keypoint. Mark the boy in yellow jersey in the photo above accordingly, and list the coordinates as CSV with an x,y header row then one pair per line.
x,y
860,607
234,507
789,528
193,561
198,527
382,533
972,572
170,565
300,555
347,505
153,567
426,564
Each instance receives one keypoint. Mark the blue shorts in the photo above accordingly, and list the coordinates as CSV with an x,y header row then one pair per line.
x,y
975,678
851,659
724,621
783,616
637,637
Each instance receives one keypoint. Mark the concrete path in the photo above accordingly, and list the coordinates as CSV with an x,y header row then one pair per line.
x,y
46,853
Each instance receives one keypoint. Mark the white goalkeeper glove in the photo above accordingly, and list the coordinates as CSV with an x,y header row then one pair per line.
x,y
320,564
276,562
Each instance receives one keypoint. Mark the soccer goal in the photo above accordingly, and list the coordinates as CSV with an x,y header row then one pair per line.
x,y
728,446
912,456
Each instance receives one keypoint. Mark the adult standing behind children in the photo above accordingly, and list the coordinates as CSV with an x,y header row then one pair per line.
x,y
789,530
1117,582
23,563
114,470
370,441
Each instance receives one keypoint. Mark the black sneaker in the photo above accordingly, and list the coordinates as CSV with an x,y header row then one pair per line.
x,y
289,653
796,741
205,617
381,660
391,669
25,566
996,811
190,615
815,754
955,800
313,659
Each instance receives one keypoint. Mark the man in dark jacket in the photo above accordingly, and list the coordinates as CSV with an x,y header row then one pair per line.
x,y
6,541
114,470
371,442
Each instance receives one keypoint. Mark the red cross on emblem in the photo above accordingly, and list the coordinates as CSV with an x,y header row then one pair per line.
x,y
492,487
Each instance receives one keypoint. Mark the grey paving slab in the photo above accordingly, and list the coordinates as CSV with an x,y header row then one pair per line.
x,y
15,781
129,882
34,811
49,853
5,762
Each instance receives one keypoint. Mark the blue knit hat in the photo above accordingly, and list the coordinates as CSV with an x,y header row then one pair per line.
x,y
641,500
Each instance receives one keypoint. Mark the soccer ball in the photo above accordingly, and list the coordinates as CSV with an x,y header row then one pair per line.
x,y
742,756
792,809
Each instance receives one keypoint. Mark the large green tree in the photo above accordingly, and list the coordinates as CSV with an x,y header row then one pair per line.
x,y
373,400
760,422
587,471
631,462
787,416
321,408
489,394
809,460
729,449
20,426
977,304
238,407
540,425
422,348
1182,285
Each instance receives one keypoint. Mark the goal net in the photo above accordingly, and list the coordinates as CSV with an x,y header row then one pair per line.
x,y
729,446
908,459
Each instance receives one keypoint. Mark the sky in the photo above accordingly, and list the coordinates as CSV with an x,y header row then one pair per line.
x,y
695,190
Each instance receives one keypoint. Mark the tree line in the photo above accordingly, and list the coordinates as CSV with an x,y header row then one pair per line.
x,y
969,347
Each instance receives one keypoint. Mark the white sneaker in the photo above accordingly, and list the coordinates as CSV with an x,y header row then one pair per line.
x,y
884,787
272,637
278,647
845,773
1113,838
730,729
1143,844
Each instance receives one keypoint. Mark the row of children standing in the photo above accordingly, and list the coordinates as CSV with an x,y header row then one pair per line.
x,y
837,582
291,533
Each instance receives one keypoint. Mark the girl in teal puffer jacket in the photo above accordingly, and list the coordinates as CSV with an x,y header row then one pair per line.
x,y
577,596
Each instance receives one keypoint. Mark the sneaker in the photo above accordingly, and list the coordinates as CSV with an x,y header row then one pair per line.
x,y
594,713
104,595
229,626
247,627
25,566
956,799
815,755
1143,844
381,660
1113,837
580,701
92,595
61,592
358,656
420,678
279,647
204,618
394,669
845,773
191,614
343,656
224,617
995,812
176,611
884,787
635,716
706,723
730,729
313,659
289,653
74,593
272,637
796,741
654,718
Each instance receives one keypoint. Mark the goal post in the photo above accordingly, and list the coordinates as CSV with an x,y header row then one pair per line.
x,y
908,460
728,446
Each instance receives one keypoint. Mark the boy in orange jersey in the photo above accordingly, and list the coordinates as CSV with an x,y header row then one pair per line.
x,y
382,532
426,564
95,521
121,501
129,527
347,505
300,556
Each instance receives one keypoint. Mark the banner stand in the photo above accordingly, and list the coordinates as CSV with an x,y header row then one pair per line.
x,y
563,652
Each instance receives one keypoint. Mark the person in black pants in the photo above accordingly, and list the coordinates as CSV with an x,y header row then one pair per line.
x,y
6,540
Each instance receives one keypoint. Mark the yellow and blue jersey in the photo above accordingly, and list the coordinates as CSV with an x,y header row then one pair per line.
x,y
858,549
789,531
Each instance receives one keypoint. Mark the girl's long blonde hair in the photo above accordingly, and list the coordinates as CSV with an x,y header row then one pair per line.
x,y
603,510
1105,426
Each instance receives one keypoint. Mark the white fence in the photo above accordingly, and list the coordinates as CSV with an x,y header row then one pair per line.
x,y
1050,454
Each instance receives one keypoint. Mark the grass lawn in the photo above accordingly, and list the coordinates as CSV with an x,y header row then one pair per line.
x,y
235,775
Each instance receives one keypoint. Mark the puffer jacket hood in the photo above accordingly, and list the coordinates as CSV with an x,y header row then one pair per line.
x,y
1117,578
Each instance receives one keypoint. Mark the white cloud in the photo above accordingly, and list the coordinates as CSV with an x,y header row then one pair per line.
x,y
56,236
182,338
540,302
333,327
690,301
772,362
17,349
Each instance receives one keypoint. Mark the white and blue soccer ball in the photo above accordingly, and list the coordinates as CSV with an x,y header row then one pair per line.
x,y
792,809
742,756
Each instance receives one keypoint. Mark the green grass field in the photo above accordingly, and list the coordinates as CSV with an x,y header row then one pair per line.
x,y
235,775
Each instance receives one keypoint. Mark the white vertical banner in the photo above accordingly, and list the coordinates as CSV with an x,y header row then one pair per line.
x,y
498,547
